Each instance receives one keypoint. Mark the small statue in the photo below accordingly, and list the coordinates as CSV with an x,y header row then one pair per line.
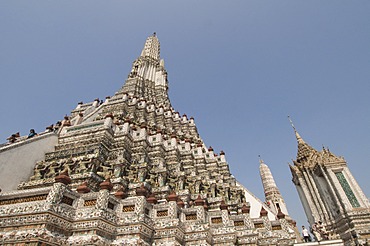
x,y
240,196
227,193
51,170
180,184
117,172
142,174
103,171
214,190
198,186
162,178
39,170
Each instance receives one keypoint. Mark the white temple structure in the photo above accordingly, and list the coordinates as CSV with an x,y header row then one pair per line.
x,y
131,170
334,203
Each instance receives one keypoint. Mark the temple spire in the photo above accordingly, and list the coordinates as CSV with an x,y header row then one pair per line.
x,y
148,77
272,194
268,181
260,159
304,149
151,47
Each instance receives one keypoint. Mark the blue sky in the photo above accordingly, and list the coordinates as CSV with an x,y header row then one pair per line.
x,y
238,67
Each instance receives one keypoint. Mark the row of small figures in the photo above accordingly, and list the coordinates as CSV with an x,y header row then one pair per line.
x,y
16,136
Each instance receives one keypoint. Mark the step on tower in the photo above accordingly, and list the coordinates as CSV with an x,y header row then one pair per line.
x,y
131,170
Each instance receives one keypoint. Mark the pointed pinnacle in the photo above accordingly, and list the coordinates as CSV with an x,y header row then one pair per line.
x,y
298,137
260,159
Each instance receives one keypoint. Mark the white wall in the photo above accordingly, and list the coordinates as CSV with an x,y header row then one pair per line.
x,y
256,205
17,160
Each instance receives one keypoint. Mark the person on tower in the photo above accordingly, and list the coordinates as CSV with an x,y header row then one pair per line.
x,y
32,133
13,138
315,231
305,234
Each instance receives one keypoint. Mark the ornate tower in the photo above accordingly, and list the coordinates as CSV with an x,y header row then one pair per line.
x,y
148,77
131,171
333,202
272,194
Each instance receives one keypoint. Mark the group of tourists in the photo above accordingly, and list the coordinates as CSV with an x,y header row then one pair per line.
x,y
317,230
16,136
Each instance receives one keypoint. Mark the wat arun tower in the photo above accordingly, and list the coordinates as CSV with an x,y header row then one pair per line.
x,y
131,170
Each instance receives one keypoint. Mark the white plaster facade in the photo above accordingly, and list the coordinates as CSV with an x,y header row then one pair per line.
x,y
17,160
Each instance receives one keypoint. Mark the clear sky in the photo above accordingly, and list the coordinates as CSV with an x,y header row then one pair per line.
x,y
238,67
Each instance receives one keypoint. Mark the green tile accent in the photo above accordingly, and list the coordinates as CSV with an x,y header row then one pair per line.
x,y
347,189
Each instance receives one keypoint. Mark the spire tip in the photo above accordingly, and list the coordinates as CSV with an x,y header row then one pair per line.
x,y
291,123
299,138
260,159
